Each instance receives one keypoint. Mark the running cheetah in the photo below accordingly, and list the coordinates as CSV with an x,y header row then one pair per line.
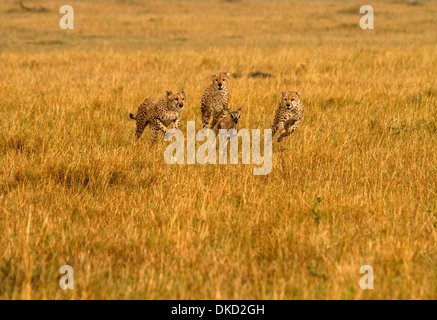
x,y
215,99
159,114
288,115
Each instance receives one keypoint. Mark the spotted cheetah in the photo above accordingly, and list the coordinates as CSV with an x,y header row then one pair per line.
x,y
288,114
215,99
159,114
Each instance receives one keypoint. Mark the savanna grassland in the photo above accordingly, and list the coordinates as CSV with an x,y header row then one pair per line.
x,y
354,185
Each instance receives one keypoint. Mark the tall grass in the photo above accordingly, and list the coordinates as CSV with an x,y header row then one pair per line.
x,y
354,185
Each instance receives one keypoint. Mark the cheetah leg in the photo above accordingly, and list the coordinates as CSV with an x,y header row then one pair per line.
x,y
177,123
216,119
141,125
160,125
274,128
206,115
279,127
154,131
284,134
288,130
156,126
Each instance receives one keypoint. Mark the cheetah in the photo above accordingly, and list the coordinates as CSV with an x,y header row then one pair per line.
x,y
215,99
288,114
159,114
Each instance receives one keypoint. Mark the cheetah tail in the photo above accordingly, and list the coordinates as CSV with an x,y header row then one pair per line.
x,y
132,116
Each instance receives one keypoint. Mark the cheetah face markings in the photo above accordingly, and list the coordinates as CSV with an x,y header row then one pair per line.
x,y
176,100
220,80
290,99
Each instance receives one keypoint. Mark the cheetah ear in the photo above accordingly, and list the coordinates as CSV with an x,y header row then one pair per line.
x,y
169,92
298,93
183,92
283,93
212,75
228,75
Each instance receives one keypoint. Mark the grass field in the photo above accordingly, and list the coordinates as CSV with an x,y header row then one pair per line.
x,y
355,185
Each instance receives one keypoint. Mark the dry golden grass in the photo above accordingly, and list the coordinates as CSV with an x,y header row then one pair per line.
x,y
77,189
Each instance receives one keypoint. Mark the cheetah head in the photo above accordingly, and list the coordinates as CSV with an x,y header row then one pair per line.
x,y
176,99
290,99
235,115
220,80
